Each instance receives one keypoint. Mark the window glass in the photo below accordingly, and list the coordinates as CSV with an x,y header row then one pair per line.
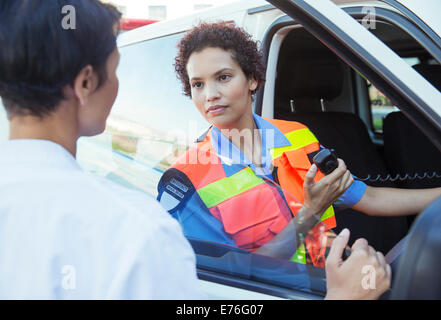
x,y
404,44
381,106
151,124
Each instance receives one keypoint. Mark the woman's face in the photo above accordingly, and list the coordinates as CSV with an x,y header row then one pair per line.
x,y
219,88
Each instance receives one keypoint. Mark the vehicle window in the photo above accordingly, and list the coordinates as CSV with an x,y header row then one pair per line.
x,y
151,124
381,106
412,46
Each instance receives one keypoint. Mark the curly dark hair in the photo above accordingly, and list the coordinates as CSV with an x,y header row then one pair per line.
x,y
226,36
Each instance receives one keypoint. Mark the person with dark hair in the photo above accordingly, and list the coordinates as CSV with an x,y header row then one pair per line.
x,y
65,234
221,68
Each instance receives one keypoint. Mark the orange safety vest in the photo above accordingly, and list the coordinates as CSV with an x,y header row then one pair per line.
x,y
251,210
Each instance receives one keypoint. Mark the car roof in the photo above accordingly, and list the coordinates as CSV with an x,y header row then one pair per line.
x,y
427,10
233,11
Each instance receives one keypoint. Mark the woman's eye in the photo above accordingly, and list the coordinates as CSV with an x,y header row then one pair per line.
x,y
224,77
197,85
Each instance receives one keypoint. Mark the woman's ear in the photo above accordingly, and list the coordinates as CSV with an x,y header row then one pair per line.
x,y
252,83
85,84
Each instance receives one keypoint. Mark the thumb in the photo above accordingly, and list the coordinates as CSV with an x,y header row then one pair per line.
x,y
337,248
310,175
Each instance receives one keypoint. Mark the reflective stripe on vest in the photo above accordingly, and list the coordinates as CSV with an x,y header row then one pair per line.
x,y
229,187
300,139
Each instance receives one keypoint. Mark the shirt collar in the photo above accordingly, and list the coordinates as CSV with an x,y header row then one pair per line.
x,y
233,159
279,139
36,153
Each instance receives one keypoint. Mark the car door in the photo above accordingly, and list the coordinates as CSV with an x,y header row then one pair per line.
x,y
374,60
360,49
369,56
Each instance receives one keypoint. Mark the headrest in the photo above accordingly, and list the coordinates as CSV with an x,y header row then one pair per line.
x,y
310,76
431,72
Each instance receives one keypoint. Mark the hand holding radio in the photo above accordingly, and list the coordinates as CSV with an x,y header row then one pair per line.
x,y
323,193
326,161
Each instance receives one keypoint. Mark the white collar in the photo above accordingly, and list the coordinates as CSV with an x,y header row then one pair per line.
x,y
36,153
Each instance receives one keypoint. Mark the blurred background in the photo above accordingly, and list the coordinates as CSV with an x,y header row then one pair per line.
x,y
162,9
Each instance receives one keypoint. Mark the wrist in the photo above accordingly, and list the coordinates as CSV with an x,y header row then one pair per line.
x,y
310,210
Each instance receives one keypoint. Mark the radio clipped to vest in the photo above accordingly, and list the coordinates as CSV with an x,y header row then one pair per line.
x,y
326,161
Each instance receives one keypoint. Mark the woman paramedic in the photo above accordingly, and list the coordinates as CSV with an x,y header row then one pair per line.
x,y
219,189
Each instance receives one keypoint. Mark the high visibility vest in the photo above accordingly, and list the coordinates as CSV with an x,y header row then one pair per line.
x,y
251,210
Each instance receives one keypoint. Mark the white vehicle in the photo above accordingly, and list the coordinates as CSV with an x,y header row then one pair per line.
x,y
343,68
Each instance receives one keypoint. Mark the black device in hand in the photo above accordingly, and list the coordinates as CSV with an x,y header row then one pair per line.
x,y
326,161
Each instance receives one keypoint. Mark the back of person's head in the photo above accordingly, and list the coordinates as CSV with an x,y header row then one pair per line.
x,y
44,44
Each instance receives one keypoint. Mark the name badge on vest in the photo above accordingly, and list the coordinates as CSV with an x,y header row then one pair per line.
x,y
174,190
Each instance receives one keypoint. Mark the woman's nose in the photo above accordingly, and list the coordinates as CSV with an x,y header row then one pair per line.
x,y
212,92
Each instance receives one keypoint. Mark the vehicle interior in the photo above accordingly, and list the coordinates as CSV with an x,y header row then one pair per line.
x,y
315,87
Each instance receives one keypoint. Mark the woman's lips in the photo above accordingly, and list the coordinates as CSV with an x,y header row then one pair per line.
x,y
216,110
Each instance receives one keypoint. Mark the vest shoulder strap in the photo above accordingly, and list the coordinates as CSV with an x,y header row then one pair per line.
x,y
200,164
286,126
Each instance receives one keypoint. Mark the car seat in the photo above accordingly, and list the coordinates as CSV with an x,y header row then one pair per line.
x,y
407,149
310,82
